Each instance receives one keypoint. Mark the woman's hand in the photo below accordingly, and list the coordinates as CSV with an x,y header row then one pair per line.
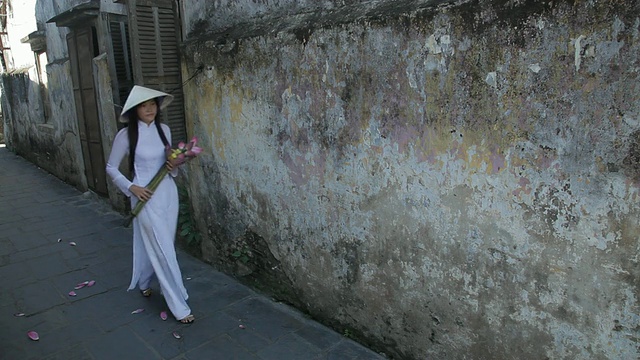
x,y
172,164
141,193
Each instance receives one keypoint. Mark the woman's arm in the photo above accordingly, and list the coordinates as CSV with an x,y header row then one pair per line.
x,y
119,150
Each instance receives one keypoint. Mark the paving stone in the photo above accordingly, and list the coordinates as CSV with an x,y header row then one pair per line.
x,y
22,256
248,338
205,328
38,296
222,347
89,244
110,310
57,340
47,266
289,346
158,334
215,297
319,336
264,318
71,353
15,275
129,346
350,350
28,240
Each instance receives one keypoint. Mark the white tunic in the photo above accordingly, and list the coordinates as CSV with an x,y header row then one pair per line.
x,y
155,226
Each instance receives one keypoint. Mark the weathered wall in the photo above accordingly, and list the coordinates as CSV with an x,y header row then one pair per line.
x,y
54,143
447,184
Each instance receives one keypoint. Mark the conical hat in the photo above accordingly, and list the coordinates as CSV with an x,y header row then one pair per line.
x,y
140,94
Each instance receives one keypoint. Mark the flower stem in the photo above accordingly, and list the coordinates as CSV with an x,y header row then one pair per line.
x,y
153,185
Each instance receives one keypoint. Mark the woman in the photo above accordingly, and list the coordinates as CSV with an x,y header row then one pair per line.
x,y
154,228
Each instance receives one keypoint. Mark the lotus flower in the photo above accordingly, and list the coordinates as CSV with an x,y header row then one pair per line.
x,y
180,155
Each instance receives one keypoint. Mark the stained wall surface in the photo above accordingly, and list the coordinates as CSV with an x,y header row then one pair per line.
x,y
451,181
50,142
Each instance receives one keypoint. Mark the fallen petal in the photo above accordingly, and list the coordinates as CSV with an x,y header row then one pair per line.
x,y
72,293
72,243
91,283
59,240
18,314
176,335
81,285
138,311
33,335
241,326
188,278
163,315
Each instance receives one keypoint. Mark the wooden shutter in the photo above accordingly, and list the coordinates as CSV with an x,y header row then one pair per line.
x,y
119,30
156,60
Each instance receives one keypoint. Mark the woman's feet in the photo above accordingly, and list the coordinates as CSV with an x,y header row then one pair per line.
x,y
188,319
146,292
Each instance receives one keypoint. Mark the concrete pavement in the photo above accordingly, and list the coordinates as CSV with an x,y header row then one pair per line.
x,y
37,272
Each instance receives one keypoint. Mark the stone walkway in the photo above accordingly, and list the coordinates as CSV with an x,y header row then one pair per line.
x,y
40,216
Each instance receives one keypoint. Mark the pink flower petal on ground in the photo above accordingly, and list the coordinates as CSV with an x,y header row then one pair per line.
x,y
137,311
18,314
91,283
241,326
81,285
176,335
72,243
33,335
72,293
163,315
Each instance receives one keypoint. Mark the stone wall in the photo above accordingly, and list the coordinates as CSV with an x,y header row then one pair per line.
x,y
439,181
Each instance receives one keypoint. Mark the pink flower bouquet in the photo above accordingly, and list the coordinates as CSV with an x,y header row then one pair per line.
x,y
180,155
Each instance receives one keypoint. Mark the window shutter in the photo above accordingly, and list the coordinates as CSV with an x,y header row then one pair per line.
x,y
156,58
122,58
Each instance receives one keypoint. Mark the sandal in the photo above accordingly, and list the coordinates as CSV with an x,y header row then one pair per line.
x,y
146,292
187,319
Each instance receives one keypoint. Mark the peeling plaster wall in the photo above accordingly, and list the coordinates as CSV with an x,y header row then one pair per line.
x,y
451,183
53,144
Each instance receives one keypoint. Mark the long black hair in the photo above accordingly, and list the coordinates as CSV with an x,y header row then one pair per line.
x,y
132,132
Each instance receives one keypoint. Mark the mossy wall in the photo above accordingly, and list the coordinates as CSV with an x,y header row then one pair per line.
x,y
446,180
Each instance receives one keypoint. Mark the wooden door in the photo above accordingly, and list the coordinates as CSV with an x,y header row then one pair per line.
x,y
82,50
156,60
